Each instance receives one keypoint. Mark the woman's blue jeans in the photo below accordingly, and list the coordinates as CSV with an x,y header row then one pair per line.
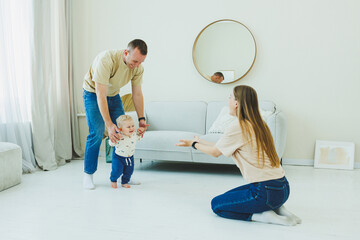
x,y
241,202
97,126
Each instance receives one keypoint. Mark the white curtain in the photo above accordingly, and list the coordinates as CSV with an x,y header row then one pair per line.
x,y
15,77
51,118
75,130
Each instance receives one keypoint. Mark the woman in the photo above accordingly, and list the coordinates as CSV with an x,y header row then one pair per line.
x,y
248,140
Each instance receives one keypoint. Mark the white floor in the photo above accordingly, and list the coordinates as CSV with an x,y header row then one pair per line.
x,y
173,202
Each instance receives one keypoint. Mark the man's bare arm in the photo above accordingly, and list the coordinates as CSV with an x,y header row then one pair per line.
x,y
138,100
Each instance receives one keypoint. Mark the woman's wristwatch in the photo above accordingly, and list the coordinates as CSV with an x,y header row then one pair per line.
x,y
193,145
141,118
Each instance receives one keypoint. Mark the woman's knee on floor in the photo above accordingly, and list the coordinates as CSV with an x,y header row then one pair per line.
x,y
215,204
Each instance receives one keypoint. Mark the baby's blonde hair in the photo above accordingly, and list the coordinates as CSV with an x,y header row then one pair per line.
x,y
123,118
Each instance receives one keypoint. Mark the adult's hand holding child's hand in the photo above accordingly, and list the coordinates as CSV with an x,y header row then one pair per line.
x,y
141,131
142,127
114,133
142,124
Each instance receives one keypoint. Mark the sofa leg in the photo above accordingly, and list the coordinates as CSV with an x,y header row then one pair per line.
x,y
281,161
140,160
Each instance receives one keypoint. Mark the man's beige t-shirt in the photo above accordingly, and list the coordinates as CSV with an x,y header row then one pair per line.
x,y
245,156
109,68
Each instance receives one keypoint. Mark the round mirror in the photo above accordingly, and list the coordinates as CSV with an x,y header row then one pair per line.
x,y
224,51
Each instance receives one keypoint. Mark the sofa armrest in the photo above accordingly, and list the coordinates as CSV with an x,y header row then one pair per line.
x,y
278,126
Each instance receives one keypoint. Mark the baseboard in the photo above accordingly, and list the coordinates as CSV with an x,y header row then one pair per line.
x,y
307,162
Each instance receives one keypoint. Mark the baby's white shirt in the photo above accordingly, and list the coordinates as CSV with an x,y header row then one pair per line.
x,y
125,147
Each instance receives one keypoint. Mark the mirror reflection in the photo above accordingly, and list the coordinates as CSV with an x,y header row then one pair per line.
x,y
224,51
217,77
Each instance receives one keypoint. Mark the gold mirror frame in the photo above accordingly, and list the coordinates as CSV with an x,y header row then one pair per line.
x,y
207,77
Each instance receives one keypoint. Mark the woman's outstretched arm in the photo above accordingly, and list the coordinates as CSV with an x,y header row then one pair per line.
x,y
202,145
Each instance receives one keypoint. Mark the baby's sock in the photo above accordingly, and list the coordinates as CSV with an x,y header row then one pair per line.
x,y
88,182
272,217
282,211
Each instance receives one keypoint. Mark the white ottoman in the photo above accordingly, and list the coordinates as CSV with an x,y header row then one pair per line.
x,y
10,165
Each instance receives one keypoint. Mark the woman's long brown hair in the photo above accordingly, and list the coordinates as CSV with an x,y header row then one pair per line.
x,y
251,122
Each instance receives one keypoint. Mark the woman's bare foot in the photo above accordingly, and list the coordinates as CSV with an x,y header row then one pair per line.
x,y
125,185
114,184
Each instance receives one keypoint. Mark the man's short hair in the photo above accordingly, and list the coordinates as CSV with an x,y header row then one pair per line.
x,y
139,44
219,74
120,120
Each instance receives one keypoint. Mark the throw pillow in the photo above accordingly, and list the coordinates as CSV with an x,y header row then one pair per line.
x,y
224,119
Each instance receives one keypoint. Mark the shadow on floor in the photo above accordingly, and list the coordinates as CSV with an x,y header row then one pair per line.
x,y
184,167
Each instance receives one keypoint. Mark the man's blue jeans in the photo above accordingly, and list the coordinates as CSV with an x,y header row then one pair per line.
x,y
241,202
97,126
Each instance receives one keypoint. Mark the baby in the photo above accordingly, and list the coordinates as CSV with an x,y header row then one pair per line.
x,y
123,159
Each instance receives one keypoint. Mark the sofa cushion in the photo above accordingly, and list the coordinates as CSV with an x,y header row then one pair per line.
x,y
177,116
164,141
163,155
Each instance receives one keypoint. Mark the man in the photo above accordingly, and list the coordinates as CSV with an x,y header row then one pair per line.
x,y
217,77
110,71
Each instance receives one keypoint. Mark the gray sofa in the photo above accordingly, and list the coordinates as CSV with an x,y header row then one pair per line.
x,y
171,121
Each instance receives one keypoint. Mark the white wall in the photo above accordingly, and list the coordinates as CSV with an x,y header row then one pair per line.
x,y
308,58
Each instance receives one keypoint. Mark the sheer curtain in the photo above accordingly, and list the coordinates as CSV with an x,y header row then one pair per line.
x,y
51,111
75,130
15,77
36,106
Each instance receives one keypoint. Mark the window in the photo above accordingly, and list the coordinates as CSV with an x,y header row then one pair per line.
x,y
15,61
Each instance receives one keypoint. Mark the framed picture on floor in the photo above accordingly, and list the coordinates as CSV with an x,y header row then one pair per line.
x,y
334,155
